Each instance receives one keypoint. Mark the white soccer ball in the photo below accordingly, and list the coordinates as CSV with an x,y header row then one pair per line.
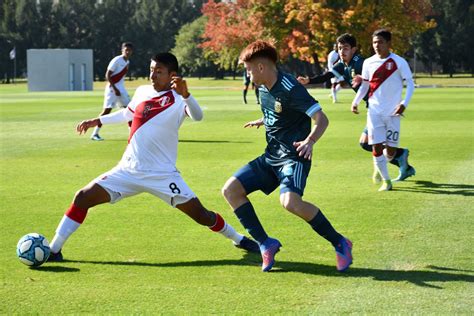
x,y
33,249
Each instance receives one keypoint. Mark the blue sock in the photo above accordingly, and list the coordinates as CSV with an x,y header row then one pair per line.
x,y
321,225
247,217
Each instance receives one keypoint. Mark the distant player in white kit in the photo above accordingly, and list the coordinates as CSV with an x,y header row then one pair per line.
x,y
333,58
383,75
115,94
149,162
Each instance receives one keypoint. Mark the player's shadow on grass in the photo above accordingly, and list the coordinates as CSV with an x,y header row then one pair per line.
x,y
416,277
421,186
56,268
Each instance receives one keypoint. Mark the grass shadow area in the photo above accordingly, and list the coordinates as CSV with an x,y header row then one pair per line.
x,y
416,277
429,187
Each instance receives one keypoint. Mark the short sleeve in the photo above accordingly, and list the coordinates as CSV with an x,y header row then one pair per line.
x,y
137,96
338,70
405,69
302,101
365,70
358,66
113,64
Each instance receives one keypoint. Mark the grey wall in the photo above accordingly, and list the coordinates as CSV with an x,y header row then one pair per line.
x,y
59,69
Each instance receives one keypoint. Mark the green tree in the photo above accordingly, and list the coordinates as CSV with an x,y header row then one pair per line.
x,y
188,50
155,24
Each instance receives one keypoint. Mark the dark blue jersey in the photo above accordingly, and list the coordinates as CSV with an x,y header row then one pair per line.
x,y
287,110
350,70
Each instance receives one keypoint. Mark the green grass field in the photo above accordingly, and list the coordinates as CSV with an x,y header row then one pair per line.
x,y
412,246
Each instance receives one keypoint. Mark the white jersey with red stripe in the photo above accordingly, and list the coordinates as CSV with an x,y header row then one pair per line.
x,y
153,141
385,77
119,67
333,58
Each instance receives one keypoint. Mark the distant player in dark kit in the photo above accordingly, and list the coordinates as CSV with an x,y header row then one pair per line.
x,y
148,165
247,83
287,109
349,69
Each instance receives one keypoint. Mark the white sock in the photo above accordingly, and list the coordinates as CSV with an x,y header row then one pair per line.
x,y
65,229
96,130
229,232
338,87
380,163
333,93
385,153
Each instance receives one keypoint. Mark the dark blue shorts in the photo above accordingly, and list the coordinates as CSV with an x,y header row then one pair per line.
x,y
259,175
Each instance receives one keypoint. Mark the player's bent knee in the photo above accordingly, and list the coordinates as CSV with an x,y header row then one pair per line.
x,y
290,204
233,189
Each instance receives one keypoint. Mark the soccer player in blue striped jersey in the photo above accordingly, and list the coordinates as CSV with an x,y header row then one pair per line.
x,y
349,69
288,110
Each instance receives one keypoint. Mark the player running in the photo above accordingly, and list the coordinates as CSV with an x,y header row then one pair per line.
x,y
383,75
149,162
287,112
349,69
115,93
333,59
246,87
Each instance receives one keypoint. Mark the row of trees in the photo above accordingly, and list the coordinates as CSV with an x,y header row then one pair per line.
x,y
101,25
207,36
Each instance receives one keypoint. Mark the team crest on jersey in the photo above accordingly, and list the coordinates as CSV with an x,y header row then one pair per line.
x,y
278,107
389,66
147,108
164,100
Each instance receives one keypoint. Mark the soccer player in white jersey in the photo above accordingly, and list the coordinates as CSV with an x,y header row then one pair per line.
x,y
149,162
333,58
115,93
383,75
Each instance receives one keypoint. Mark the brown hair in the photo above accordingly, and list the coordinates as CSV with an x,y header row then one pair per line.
x,y
259,49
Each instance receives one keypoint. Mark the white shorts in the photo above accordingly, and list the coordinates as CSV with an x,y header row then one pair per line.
x,y
121,183
334,80
383,129
111,100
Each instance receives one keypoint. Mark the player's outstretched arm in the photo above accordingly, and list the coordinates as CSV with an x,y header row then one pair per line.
x,y
305,147
303,80
256,123
364,88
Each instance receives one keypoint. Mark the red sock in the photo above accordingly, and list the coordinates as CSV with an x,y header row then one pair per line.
x,y
76,213
219,224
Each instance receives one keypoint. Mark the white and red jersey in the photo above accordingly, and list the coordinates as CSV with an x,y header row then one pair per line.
x,y
119,67
385,78
333,58
153,141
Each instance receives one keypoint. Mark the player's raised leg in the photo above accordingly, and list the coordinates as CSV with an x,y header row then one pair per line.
x,y
89,196
294,203
194,209
405,169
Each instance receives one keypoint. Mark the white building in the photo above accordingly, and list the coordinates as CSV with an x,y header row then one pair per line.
x,y
59,69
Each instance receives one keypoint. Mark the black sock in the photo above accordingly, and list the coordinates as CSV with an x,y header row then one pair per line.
x,y
398,153
323,227
248,218
366,146
245,96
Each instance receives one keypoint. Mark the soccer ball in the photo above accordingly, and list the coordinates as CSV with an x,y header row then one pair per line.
x,y
33,249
